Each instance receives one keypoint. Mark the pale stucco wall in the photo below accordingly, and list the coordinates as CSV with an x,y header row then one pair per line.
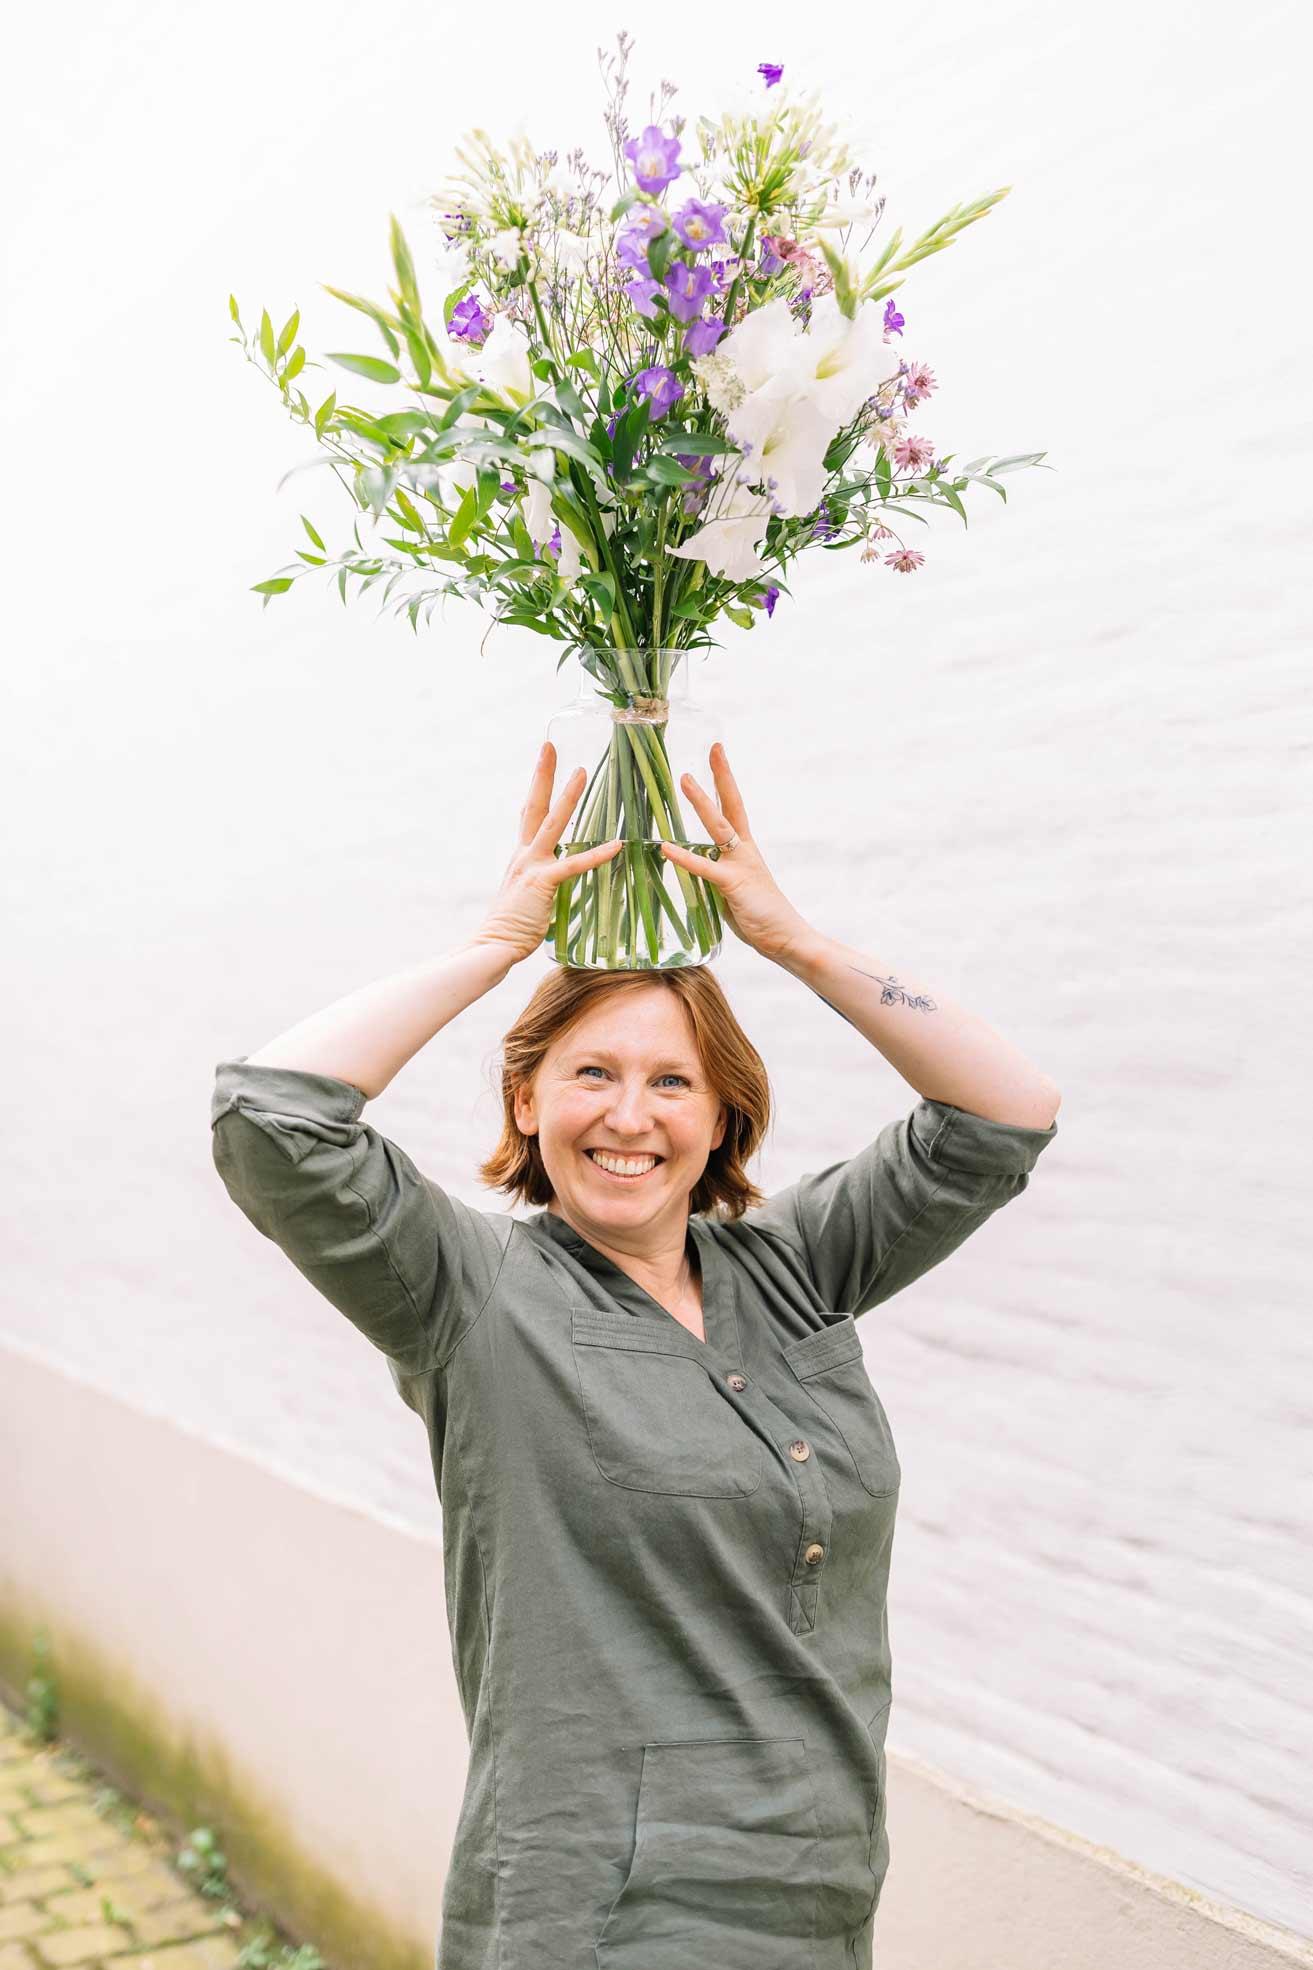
x,y
1060,774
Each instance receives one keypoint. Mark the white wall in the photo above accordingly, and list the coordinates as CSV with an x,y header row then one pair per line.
x,y
1054,774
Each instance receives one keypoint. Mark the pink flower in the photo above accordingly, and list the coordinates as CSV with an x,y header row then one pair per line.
x,y
915,453
907,560
918,383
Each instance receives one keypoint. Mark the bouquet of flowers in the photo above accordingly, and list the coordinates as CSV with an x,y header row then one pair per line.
x,y
639,403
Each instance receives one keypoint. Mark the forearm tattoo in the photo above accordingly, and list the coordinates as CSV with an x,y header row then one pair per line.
x,y
891,993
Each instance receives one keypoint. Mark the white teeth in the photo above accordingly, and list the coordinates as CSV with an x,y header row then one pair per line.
x,y
624,1166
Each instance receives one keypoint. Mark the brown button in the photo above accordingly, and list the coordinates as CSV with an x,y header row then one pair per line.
x,y
814,1554
737,1381
799,1450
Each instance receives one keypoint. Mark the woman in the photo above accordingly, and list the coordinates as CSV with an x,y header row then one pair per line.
x,y
668,1486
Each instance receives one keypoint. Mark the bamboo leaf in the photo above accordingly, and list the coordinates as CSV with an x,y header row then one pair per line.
x,y
288,335
404,265
464,519
295,364
267,344
277,585
371,366
232,310
324,412
313,535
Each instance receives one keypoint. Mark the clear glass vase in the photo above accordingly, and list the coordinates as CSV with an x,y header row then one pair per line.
x,y
634,727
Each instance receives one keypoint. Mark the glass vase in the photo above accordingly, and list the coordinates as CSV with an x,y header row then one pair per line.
x,y
634,727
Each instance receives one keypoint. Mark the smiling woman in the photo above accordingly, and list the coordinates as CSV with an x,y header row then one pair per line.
x,y
668,1484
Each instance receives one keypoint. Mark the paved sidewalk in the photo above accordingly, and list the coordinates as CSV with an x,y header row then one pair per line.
x,y
86,1879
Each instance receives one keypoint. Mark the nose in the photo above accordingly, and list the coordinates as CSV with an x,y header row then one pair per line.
x,y
630,1112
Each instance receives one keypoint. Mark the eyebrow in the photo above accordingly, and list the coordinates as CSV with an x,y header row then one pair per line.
x,y
601,1053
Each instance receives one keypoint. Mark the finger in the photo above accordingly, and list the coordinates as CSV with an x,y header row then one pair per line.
x,y
540,787
711,816
586,858
549,830
728,789
698,865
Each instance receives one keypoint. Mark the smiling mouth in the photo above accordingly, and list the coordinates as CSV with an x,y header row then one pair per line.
x,y
616,1176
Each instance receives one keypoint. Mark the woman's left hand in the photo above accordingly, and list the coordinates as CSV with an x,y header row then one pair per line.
x,y
754,906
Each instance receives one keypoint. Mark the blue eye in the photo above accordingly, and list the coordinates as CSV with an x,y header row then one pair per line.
x,y
664,1077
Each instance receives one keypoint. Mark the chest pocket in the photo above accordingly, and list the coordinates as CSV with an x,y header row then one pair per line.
x,y
655,1419
831,1367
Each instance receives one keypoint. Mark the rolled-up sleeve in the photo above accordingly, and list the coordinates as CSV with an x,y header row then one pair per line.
x,y
408,1264
866,1227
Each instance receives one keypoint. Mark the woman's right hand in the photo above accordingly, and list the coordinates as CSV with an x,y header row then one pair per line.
x,y
522,909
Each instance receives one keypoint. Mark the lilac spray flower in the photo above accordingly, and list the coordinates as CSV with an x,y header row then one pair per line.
x,y
823,530
470,321
687,288
772,72
893,321
661,386
654,159
700,225
767,601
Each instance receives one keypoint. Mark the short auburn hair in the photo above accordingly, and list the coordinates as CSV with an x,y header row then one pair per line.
x,y
733,1066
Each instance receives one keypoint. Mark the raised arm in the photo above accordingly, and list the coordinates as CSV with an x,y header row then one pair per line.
x,y
408,1264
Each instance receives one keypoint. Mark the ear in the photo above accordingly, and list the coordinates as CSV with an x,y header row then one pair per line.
x,y
525,1118
722,1123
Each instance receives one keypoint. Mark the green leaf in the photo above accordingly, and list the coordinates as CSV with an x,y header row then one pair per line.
x,y
232,309
668,472
464,519
386,324
601,588
694,444
574,446
324,412
288,335
371,366
409,513
419,356
585,359
267,338
403,424
622,205
295,364
743,617
313,535
278,585
404,265
314,560
571,402
449,305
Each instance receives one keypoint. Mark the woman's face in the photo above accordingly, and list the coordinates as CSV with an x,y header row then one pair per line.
x,y
625,1079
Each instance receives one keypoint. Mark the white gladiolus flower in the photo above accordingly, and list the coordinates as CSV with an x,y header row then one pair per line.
x,y
568,561
789,436
538,515
839,363
728,543
764,343
503,362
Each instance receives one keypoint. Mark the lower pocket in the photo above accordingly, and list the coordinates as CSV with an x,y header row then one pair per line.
x,y
724,1874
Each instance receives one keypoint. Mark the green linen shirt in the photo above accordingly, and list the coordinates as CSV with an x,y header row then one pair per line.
x,y
666,1560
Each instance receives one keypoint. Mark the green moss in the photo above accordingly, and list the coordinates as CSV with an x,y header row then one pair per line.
x,y
189,1780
